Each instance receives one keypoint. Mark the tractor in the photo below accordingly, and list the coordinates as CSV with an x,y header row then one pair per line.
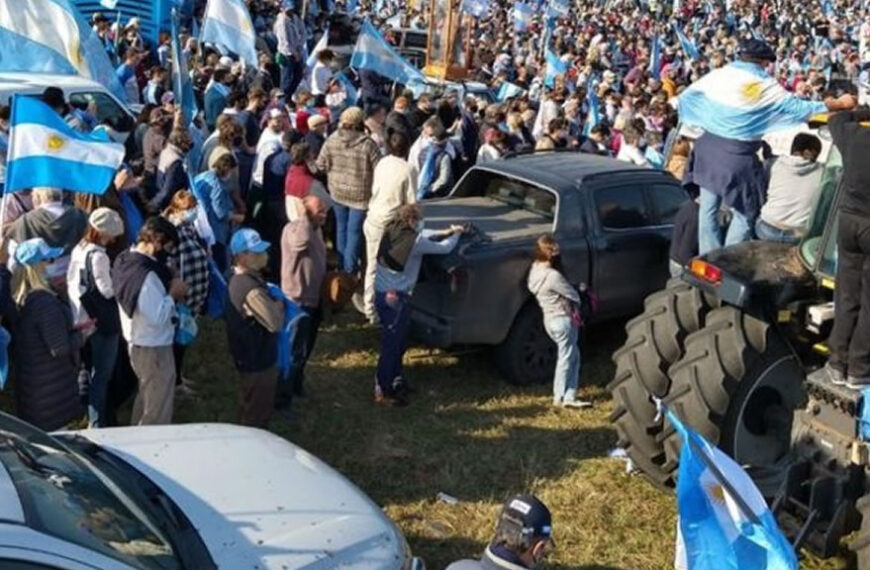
x,y
735,347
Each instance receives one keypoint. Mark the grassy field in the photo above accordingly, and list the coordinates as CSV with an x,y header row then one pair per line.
x,y
468,434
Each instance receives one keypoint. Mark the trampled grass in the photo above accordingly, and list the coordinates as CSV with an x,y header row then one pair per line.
x,y
467,434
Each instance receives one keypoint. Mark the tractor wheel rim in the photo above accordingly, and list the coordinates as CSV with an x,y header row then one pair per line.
x,y
763,429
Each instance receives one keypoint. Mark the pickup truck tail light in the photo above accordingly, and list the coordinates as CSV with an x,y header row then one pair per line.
x,y
706,271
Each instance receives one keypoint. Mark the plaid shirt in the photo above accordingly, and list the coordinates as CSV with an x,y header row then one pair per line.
x,y
193,269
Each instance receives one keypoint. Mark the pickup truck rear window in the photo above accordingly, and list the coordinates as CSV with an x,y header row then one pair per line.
x,y
521,195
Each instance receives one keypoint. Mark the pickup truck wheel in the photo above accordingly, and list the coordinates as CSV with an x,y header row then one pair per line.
x,y
738,385
654,342
527,356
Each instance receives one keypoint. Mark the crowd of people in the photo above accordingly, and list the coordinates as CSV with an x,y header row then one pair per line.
x,y
291,161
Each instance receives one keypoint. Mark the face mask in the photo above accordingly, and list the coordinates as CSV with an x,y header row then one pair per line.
x,y
257,262
419,227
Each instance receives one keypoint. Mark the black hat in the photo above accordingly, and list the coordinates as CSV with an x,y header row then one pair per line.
x,y
756,49
527,515
53,97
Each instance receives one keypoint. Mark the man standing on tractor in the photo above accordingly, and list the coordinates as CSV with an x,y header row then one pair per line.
x,y
737,105
849,343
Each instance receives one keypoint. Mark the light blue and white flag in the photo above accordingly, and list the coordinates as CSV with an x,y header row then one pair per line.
x,y
51,36
508,90
321,45
741,101
523,15
372,52
593,115
181,82
477,8
558,9
655,58
349,88
555,68
351,6
227,23
724,520
45,151
109,4
689,47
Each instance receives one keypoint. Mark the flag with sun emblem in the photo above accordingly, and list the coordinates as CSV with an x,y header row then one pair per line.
x,y
724,522
227,23
45,151
741,101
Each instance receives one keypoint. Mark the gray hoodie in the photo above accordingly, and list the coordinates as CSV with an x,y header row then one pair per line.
x,y
551,289
792,193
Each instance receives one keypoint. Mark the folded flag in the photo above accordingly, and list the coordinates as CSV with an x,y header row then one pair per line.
x,y
508,90
740,101
227,23
51,36
372,52
555,68
45,151
724,521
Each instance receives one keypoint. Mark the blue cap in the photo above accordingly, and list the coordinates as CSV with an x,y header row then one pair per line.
x,y
247,240
527,515
34,250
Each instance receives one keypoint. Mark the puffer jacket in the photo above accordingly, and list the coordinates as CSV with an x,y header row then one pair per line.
x,y
348,159
46,349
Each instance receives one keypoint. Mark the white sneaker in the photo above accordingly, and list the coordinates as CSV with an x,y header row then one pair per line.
x,y
576,404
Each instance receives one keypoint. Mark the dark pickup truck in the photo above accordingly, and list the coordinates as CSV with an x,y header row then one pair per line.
x,y
613,222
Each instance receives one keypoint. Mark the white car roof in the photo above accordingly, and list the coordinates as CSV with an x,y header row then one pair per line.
x,y
35,83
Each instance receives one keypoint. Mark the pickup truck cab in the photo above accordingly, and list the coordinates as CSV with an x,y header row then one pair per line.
x,y
613,222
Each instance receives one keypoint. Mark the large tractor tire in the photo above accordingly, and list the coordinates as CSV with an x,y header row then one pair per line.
x,y
738,385
527,356
861,545
654,342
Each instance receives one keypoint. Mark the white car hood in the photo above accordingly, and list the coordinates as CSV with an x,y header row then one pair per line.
x,y
257,500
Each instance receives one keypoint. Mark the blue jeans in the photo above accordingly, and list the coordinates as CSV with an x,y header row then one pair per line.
x,y
396,321
709,230
766,232
567,377
104,352
291,76
348,236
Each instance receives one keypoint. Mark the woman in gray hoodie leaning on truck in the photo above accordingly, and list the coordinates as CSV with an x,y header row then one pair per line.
x,y
560,303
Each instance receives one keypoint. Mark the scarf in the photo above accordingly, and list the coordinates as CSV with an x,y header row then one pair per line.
x,y
429,172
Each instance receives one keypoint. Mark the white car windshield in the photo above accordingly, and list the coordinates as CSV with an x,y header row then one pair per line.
x,y
63,496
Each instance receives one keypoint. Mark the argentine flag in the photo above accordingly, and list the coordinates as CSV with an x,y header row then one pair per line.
x,y
555,68
321,45
593,116
476,8
508,90
688,46
724,522
227,23
742,102
523,15
655,59
44,151
181,82
372,52
51,36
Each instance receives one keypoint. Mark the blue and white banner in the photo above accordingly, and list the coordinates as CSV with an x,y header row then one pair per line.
x,y
182,84
740,101
227,23
508,90
45,151
724,520
321,45
555,68
688,46
523,15
655,58
372,52
477,8
51,36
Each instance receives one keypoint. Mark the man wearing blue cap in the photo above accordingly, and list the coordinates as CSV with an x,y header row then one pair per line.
x,y
522,537
254,319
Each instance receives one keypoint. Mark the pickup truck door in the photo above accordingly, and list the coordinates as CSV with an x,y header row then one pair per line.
x,y
631,240
571,233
